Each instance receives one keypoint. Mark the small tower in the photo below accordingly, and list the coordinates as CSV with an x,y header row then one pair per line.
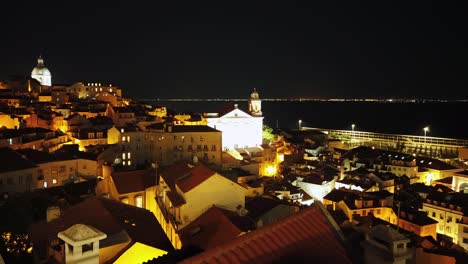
x,y
81,244
41,73
255,104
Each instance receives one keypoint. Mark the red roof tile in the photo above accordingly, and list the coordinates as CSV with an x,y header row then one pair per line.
x,y
197,175
175,198
171,173
209,230
133,181
305,236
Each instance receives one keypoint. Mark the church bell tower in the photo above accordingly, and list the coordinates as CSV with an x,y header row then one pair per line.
x,y
255,104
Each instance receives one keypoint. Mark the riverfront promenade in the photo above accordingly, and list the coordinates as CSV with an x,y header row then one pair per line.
x,y
419,145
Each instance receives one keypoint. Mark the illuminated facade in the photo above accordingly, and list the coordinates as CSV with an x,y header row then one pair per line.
x,y
185,192
239,129
41,73
166,144
91,90
448,214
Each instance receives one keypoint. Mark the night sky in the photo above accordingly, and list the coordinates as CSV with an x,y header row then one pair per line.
x,y
201,49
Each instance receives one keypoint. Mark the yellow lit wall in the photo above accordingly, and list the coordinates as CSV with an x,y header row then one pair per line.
x,y
139,253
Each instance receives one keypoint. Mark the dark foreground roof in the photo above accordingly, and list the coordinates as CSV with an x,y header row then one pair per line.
x,y
108,216
305,237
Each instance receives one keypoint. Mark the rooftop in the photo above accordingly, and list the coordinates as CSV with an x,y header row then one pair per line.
x,y
307,235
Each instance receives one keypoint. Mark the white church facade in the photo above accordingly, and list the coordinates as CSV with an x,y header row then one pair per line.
x,y
41,73
240,129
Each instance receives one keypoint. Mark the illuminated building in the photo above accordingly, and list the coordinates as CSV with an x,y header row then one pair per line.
x,y
166,144
433,169
460,181
185,191
9,121
120,115
58,169
448,209
17,174
379,204
239,129
41,73
91,90
135,187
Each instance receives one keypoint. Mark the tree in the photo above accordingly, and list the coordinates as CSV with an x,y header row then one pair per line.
x,y
268,135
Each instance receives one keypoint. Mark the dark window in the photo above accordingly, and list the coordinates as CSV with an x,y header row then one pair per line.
x,y
87,247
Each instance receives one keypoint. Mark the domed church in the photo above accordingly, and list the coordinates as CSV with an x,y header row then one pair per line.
x,y
41,73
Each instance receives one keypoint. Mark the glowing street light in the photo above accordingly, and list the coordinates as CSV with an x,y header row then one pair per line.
x,y
352,133
426,129
299,122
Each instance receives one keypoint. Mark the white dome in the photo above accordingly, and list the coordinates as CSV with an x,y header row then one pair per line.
x,y
40,69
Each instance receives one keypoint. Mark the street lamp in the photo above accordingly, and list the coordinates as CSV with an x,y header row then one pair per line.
x,y
300,122
426,129
352,133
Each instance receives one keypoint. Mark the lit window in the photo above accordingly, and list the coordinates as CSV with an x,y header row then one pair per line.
x,y
139,201
54,181
129,163
128,139
124,163
128,155
45,184
123,156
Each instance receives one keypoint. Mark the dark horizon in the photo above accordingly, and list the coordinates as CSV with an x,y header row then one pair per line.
x,y
225,49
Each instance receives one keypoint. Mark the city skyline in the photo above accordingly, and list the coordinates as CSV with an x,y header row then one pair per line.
x,y
326,50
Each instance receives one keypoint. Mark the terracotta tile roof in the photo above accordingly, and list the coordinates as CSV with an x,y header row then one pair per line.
x,y
122,109
214,227
260,205
108,216
171,173
13,161
197,175
304,237
175,198
133,181
193,128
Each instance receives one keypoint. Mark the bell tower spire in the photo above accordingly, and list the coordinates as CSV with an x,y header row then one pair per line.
x,y
255,104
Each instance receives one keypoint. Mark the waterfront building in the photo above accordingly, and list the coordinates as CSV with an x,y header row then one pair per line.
x,y
41,73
